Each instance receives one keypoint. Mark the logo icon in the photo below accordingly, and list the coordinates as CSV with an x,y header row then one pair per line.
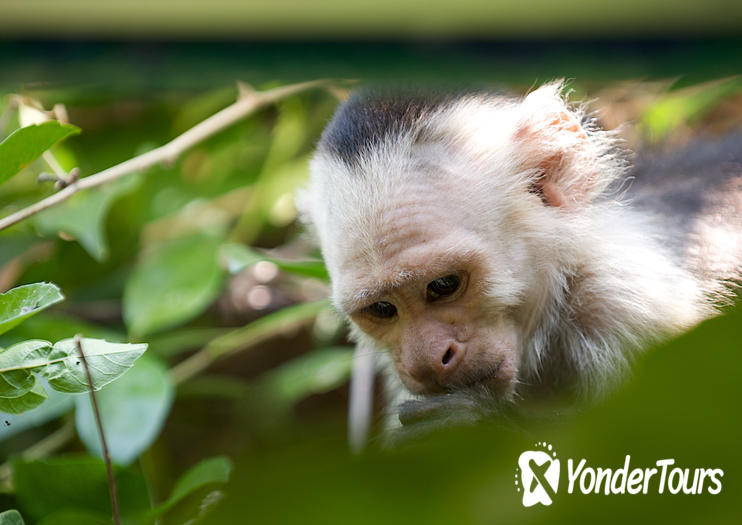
x,y
537,475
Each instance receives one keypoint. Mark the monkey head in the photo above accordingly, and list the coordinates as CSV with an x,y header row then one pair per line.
x,y
444,222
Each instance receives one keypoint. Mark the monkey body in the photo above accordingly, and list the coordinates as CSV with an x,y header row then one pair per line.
x,y
695,194
489,245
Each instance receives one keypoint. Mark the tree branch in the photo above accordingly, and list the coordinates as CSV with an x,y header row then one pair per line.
x,y
248,102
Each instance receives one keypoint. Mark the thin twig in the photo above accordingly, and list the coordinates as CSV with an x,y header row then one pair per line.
x,y
248,103
61,178
246,337
99,423
54,164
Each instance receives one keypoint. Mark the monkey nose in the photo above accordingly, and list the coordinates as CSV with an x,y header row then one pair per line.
x,y
448,357
435,369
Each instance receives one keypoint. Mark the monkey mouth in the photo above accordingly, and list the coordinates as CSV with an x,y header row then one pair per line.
x,y
488,379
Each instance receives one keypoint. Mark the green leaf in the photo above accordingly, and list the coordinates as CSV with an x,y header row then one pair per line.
x,y
22,302
283,169
193,495
26,144
195,509
133,410
15,383
208,472
684,106
62,366
56,405
83,216
106,361
172,284
271,201
314,373
238,257
27,401
11,517
78,482
19,390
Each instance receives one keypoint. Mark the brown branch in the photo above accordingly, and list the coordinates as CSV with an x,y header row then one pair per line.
x,y
248,102
104,445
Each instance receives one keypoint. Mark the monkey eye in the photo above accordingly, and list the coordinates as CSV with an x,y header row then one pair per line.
x,y
443,287
382,310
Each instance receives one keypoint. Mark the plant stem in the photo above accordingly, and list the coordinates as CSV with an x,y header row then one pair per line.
x,y
248,102
99,423
246,337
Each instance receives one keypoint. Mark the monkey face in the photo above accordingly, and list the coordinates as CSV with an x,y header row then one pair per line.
x,y
440,336
437,279
427,299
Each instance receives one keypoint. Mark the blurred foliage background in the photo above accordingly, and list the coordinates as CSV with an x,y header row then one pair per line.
x,y
204,260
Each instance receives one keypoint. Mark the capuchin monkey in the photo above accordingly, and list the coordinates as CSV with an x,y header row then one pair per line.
x,y
499,250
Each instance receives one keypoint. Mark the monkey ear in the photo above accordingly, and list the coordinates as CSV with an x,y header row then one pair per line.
x,y
557,147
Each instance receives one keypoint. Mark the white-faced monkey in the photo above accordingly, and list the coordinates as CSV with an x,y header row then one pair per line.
x,y
495,246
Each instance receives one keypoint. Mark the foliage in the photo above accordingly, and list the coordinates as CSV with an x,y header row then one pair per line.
x,y
26,144
134,411
172,284
11,517
65,489
22,302
62,366
239,257
154,248
83,216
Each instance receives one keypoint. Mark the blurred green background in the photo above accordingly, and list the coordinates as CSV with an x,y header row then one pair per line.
x,y
144,259
282,19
